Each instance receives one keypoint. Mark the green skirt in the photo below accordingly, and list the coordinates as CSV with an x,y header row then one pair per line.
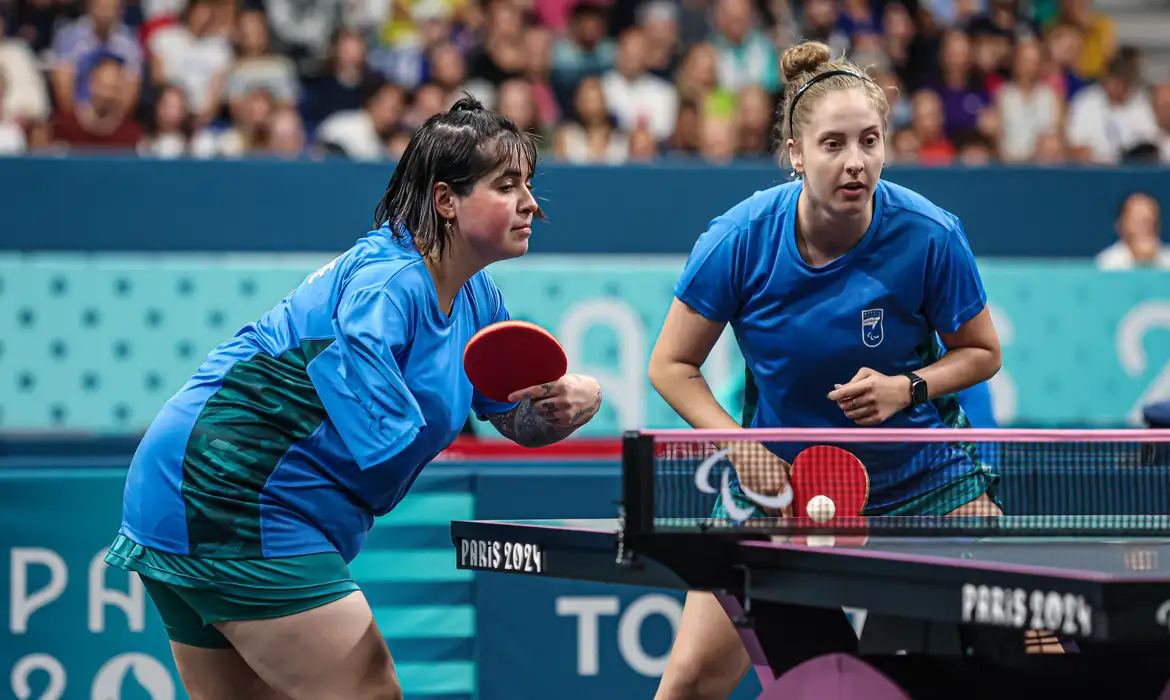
x,y
193,593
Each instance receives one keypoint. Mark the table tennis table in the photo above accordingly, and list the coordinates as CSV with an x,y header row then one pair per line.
x,y
946,615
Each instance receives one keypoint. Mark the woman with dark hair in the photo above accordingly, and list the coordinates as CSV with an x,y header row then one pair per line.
x,y
256,484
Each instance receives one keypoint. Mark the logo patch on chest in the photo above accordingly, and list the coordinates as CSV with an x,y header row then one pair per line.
x,y
871,327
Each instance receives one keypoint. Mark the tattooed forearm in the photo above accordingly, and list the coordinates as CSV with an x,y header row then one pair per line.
x,y
524,426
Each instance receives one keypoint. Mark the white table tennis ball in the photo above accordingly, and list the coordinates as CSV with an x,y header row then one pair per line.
x,y
821,508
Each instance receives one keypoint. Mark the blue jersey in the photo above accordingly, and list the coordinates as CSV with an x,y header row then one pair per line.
x,y
298,431
804,329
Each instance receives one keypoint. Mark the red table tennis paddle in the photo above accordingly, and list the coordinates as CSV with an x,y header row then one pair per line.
x,y
508,356
824,470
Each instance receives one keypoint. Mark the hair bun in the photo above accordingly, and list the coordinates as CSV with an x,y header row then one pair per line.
x,y
467,103
804,58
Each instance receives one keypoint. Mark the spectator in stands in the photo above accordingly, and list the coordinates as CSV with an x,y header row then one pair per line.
x,y
1064,43
903,46
12,139
302,30
899,100
1007,20
934,147
584,51
855,17
664,52
958,87
103,120
1027,106
975,150
1114,116
26,97
698,74
429,99
515,101
991,60
717,142
247,132
685,140
168,133
1097,36
592,136
821,21
361,134
1050,150
84,43
1139,242
501,55
397,143
195,55
643,147
447,68
538,43
745,54
344,82
636,97
753,122
286,133
904,147
256,67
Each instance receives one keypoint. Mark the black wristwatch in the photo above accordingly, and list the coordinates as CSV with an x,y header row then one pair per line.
x,y
917,388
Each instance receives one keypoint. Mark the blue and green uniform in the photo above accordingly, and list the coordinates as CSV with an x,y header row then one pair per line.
x,y
804,329
257,482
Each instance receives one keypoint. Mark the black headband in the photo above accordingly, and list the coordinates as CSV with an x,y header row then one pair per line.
x,y
813,81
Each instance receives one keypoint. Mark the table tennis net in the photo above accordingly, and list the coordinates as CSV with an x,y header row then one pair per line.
x,y
1047,483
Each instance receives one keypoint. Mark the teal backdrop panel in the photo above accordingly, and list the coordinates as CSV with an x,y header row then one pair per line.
x,y
97,343
78,629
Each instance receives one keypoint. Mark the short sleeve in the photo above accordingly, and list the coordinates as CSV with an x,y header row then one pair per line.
x,y
712,279
481,405
954,289
368,400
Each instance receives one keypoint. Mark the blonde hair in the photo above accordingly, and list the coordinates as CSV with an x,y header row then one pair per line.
x,y
810,73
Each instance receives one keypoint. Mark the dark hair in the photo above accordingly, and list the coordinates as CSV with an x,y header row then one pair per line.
x,y
459,147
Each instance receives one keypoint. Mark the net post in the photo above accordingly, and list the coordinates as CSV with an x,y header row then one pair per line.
x,y
637,483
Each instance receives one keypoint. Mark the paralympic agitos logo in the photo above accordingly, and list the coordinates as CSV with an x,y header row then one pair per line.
x,y
733,508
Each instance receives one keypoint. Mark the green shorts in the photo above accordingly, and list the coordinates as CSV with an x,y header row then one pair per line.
x,y
938,501
192,593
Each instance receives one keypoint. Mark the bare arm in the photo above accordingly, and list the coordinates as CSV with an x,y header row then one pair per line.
x,y
973,356
682,347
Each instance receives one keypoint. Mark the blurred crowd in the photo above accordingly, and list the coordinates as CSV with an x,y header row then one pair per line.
x,y
969,81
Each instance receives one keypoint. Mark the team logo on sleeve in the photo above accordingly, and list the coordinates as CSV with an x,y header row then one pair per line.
x,y
871,327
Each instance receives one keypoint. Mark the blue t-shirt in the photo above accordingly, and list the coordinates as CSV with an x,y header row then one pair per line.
x,y
803,329
298,431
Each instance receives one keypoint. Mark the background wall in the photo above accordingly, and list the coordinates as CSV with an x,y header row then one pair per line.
x,y
110,204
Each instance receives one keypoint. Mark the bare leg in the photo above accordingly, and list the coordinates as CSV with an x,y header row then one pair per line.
x,y
219,674
1034,642
708,659
334,652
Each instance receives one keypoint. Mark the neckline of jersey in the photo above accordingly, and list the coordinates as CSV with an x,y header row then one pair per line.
x,y
836,264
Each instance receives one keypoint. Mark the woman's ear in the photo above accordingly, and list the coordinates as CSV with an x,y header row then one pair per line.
x,y
444,200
